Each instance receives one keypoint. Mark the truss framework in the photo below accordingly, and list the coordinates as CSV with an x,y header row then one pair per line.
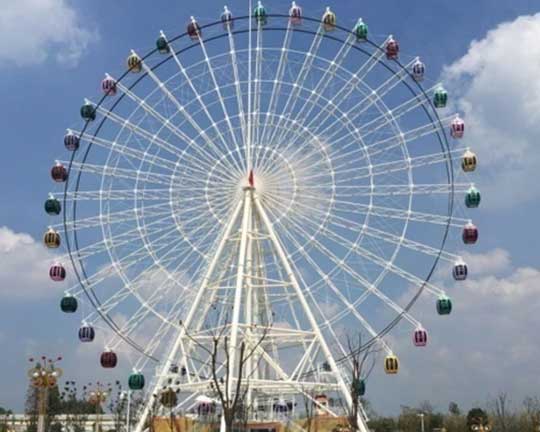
x,y
247,242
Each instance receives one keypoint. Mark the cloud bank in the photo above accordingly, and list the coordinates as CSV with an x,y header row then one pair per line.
x,y
488,343
24,268
32,31
496,86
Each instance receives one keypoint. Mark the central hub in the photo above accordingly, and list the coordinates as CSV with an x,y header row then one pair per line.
x,y
251,181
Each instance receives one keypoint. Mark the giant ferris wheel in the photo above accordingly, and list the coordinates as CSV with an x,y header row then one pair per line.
x,y
268,172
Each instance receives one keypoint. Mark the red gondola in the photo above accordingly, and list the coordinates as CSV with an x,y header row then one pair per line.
x,y
108,359
470,234
392,49
59,173
194,30
295,14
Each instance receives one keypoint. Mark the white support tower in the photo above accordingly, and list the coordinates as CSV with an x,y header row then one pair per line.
x,y
250,267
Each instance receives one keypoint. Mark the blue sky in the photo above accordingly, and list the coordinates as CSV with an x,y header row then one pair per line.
x,y
53,53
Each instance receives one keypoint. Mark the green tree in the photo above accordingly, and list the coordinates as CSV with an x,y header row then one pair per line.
x,y
118,401
31,408
477,416
362,361
532,412
6,415
382,424
75,406
408,420
455,421
453,409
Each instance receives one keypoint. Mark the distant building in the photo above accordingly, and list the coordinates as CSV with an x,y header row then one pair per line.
x,y
20,422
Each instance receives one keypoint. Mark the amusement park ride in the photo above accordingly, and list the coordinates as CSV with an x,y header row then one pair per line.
x,y
262,173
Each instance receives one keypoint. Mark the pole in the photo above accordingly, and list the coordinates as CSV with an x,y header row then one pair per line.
x,y
248,143
128,420
422,422
98,417
240,280
42,408
43,376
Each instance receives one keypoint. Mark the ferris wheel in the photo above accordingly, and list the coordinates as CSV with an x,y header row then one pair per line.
x,y
267,171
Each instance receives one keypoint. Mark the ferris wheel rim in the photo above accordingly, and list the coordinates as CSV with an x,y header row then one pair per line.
x,y
443,142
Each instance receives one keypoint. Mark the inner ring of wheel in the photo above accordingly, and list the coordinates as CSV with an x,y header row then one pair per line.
x,y
77,259
266,181
301,248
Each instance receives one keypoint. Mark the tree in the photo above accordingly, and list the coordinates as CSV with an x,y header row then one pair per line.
x,y
477,417
52,402
74,405
532,412
154,408
118,405
230,393
382,424
6,415
501,411
453,409
454,422
136,402
232,399
310,408
53,410
362,362
31,407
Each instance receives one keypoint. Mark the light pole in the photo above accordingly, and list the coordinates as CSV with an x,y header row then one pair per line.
x,y
97,397
421,415
43,376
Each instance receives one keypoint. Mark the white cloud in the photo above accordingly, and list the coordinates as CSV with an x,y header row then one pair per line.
x,y
24,268
31,31
488,343
492,262
496,86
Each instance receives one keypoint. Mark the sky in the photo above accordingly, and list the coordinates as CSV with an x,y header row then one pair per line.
x,y
53,53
